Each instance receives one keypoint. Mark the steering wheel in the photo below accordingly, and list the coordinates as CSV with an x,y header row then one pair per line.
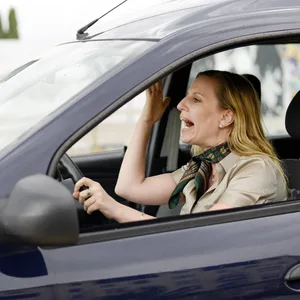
x,y
72,169
85,220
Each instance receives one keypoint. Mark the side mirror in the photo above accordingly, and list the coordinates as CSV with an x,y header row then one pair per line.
x,y
41,211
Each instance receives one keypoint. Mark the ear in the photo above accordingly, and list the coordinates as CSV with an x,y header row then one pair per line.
x,y
227,118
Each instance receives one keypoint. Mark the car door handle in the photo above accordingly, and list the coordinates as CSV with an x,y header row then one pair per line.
x,y
293,274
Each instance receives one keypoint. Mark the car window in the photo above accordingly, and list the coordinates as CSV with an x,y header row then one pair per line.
x,y
114,132
277,68
39,89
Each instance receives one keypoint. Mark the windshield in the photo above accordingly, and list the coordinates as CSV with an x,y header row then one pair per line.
x,y
35,92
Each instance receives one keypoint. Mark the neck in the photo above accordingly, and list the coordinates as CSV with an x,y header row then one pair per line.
x,y
212,145
217,140
213,168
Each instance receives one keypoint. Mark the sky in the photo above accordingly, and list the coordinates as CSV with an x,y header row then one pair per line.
x,y
46,23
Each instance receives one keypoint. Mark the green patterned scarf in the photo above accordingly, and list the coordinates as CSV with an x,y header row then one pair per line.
x,y
199,168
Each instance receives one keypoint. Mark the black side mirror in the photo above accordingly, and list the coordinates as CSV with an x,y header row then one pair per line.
x,y
41,211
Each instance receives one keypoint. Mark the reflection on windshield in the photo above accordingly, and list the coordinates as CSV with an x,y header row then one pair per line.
x,y
39,89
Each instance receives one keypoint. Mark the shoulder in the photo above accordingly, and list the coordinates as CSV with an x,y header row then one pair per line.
x,y
259,167
256,162
177,174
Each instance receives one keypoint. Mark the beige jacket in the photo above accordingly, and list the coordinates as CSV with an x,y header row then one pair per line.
x,y
242,181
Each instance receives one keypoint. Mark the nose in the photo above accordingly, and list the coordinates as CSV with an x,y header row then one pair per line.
x,y
182,105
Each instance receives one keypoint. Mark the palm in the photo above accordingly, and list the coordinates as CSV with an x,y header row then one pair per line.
x,y
155,104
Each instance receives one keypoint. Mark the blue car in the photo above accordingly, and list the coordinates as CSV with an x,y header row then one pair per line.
x,y
55,111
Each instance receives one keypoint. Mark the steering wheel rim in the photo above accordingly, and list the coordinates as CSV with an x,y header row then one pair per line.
x,y
71,167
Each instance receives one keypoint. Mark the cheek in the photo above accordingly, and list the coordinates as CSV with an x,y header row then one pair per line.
x,y
207,122
203,118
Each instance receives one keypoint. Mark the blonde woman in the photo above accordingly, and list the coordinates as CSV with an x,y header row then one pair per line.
x,y
232,163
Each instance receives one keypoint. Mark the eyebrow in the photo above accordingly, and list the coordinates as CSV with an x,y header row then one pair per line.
x,y
199,94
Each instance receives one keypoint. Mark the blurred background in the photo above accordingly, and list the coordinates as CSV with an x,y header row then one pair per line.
x,y
29,28
32,28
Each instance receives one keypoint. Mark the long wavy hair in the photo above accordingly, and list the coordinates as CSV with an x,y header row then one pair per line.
x,y
247,136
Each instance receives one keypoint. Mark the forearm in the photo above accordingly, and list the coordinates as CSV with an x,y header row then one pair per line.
x,y
125,214
132,172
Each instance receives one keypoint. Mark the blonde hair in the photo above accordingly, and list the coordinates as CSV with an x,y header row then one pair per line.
x,y
247,136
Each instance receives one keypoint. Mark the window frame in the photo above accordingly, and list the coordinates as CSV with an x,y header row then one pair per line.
x,y
183,222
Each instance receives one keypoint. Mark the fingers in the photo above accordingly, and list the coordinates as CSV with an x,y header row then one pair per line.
x,y
76,195
84,195
156,88
92,208
166,102
83,181
87,203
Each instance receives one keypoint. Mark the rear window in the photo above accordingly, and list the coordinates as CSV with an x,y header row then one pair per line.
x,y
276,66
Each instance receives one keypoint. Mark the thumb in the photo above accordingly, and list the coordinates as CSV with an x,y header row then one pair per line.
x,y
76,195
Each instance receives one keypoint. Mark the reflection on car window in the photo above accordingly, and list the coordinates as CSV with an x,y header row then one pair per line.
x,y
276,66
38,90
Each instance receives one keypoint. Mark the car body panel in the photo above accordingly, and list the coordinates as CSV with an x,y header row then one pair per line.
x,y
219,261
172,16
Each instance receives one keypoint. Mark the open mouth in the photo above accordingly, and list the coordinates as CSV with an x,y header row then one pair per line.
x,y
187,123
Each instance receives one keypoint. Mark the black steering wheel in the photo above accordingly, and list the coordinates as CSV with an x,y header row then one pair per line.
x,y
86,221
72,169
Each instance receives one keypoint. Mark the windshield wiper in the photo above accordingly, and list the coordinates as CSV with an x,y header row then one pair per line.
x,y
82,34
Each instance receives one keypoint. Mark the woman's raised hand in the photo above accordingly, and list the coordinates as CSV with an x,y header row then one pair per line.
x,y
155,104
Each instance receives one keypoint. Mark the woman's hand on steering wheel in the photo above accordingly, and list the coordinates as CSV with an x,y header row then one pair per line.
x,y
95,198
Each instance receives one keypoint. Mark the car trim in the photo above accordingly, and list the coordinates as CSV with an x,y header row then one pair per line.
x,y
141,228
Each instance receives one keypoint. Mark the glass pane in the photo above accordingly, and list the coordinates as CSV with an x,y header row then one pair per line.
x,y
276,66
47,84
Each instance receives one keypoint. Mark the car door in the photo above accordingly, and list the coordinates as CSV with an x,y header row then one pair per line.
x,y
250,253
24,273
240,253
230,255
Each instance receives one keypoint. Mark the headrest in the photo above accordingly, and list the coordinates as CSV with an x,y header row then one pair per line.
x,y
292,117
255,83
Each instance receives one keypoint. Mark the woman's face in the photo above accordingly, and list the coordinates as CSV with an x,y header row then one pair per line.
x,y
202,114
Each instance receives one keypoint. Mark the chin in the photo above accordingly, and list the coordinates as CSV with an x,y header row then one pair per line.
x,y
186,141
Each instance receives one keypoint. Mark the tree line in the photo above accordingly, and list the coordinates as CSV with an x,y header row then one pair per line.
x,y
12,31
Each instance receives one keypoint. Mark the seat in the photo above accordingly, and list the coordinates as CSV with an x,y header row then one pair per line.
x,y
292,166
255,83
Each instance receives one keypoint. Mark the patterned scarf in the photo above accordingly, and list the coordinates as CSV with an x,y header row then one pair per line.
x,y
199,168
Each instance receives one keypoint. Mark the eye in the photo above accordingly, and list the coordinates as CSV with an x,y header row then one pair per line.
x,y
196,100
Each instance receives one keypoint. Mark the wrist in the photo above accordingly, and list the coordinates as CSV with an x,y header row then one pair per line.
x,y
117,211
145,122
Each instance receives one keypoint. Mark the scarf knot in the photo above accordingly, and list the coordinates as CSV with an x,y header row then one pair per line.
x,y
199,168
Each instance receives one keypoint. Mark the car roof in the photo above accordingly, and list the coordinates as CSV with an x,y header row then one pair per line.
x,y
161,20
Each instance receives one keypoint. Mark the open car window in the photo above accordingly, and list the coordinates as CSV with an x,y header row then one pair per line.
x,y
114,132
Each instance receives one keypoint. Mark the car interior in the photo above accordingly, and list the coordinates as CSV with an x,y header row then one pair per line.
x,y
272,68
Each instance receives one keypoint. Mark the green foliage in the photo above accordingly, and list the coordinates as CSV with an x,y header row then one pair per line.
x,y
12,32
1,30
